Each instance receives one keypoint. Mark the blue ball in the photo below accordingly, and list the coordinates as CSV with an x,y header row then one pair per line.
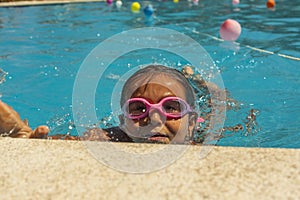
x,y
148,10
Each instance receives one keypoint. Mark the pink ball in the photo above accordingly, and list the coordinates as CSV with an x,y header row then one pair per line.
x,y
234,2
109,2
230,30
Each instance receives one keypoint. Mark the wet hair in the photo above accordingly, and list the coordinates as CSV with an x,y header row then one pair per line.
x,y
152,71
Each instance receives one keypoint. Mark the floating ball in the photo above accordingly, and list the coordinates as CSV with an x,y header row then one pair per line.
x,y
230,30
148,10
175,1
109,2
135,7
270,4
119,3
234,2
200,120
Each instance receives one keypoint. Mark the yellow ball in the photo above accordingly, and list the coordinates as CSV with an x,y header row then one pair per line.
x,y
175,1
135,7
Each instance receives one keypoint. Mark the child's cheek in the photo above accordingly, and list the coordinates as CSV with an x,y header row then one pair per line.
x,y
174,126
131,124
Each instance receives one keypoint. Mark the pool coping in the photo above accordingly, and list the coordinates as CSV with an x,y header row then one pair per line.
x,y
58,169
47,2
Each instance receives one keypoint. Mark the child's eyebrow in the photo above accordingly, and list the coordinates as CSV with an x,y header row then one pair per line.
x,y
170,95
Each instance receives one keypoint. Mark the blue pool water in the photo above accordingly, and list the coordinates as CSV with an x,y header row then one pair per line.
x,y
42,48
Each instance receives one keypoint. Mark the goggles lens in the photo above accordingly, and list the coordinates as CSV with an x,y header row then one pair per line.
x,y
170,107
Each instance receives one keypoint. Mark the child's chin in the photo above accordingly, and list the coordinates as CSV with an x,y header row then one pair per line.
x,y
159,140
155,140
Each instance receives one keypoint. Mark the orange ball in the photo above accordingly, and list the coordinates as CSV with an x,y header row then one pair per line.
x,y
270,4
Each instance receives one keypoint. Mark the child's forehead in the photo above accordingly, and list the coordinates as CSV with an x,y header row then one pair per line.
x,y
176,83
162,79
155,84
156,77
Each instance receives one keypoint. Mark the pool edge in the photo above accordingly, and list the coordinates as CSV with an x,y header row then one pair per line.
x,y
48,169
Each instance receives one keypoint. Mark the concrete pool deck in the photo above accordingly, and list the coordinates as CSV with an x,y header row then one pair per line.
x,y
48,169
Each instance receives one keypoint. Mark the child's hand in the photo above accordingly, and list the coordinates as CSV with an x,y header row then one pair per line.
x,y
11,125
94,134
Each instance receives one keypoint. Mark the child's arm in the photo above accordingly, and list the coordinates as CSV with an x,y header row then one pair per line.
x,y
11,125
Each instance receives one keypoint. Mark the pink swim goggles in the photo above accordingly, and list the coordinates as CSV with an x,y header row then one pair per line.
x,y
170,107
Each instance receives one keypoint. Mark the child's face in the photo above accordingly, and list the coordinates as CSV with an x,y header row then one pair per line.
x,y
156,127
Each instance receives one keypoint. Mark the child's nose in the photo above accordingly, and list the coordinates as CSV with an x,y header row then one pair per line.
x,y
156,118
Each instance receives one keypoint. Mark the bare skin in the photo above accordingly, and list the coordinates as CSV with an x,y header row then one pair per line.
x,y
12,125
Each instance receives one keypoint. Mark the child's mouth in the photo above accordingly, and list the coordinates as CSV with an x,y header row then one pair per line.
x,y
159,138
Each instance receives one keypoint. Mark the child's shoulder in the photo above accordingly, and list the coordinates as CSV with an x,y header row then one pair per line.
x,y
113,134
117,135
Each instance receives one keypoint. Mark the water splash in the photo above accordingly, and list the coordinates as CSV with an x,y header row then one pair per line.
x,y
61,124
2,76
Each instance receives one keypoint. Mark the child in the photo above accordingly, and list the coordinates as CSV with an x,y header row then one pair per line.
x,y
158,105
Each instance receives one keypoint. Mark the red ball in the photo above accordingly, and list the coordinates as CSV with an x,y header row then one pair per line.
x,y
230,30
234,2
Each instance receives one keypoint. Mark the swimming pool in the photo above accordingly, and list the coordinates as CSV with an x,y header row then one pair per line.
x,y
42,48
